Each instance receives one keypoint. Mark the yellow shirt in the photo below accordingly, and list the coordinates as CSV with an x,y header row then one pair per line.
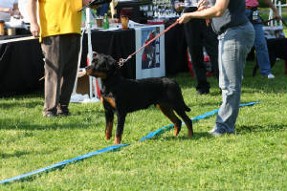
x,y
60,17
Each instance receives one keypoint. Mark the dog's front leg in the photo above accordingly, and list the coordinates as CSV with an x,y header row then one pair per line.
x,y
120,127
109,114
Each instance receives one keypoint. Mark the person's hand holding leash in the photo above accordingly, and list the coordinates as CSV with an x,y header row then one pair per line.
x,y
184,18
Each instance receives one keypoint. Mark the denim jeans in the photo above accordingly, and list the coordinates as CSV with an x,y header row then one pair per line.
x,y
260,44
234,46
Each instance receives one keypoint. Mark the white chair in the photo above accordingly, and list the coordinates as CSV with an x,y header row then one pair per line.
x,y
279,6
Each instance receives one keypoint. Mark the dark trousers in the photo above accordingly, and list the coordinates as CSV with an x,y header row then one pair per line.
x,y
61,54
199,35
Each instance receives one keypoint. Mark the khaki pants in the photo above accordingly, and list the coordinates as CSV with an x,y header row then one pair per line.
x,y
61,54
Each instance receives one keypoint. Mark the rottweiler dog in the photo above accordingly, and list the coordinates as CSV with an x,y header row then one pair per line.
x,y
122,96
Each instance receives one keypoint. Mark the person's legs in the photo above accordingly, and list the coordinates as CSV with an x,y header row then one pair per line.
x,y
104,8
70,46
194,42
210,42
53,73
61,61
234,46
262,54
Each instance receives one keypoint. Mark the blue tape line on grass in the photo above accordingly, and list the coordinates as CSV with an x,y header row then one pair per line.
x,y
197,118
108,149
63,163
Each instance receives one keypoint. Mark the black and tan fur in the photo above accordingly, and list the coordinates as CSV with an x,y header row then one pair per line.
x,y
122,96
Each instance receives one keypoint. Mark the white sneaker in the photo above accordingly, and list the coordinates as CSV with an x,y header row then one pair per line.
x,y
270,76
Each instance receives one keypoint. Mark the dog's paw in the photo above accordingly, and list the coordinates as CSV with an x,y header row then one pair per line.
x,y
117,140
108,136
177,128
190,133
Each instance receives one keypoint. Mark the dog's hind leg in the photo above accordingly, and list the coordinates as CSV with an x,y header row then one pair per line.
x,y
168,112
186,119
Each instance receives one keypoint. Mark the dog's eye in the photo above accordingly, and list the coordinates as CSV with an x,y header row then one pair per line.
x,y
95,60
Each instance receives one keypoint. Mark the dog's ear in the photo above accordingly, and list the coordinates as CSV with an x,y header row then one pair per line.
x,y
111,60
111,64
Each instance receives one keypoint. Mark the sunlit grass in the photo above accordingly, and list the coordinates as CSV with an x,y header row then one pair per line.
x,y
253,159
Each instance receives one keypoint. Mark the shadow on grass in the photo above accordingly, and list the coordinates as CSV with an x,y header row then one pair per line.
x,y
184,137
14,154
19,153
17,104
260,129
241,130
79,121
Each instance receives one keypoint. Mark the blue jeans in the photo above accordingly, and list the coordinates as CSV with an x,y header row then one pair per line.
x,y
101,10
234,46
260,44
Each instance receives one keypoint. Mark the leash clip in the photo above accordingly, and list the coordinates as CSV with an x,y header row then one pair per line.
x,y
122,61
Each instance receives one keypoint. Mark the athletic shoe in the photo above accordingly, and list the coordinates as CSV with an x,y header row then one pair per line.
x,y
270,76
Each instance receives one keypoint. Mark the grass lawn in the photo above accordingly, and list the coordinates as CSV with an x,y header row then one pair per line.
x,y
253,159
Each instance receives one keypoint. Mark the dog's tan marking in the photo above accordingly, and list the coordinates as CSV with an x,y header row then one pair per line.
x,y
118,139
169,113
91,72
109,129
101,75
111,101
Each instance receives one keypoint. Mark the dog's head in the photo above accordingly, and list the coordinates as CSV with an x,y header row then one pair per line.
x,y
102,66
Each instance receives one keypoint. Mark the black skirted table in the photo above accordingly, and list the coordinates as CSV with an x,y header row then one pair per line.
x,y
22,65
121,43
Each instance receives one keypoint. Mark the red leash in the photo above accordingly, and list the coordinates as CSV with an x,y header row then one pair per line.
x,y
122,60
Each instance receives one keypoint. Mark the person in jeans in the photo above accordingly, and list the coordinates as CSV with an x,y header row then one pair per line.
x,y
260,43
236,37
199,34
59,29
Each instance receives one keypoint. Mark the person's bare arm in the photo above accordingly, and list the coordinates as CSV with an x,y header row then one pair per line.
x,y
32,11
274,9
215,11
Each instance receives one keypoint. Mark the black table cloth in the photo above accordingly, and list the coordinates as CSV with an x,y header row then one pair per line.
x,y
21,63
118,44
21,67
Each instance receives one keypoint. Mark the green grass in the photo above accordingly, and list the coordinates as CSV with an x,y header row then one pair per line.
x,y
253,159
